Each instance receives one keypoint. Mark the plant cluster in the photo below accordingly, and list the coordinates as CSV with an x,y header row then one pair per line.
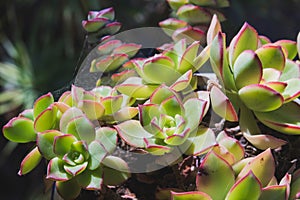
x,y
155,105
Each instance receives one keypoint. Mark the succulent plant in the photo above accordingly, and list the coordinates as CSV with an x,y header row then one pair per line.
x,y
166,122
259,81
176,66
190,18
79,152
224,173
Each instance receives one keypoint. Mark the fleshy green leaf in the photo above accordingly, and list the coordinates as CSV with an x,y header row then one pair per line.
x,y
276,192
291,70
112,104
97,153
193,14
91,179
222,105
247,69
46,120
289,47
246,39
130,49
108,63
133,133
76,169
55,170
280,121
82,128
175,4
115,170
247,187
19,129
68,189
125,113
94,24
262,166
271,56
30,161
194,109
190,195
292,91
93,110
263,142
62,144
67,116
45,142
134,87
215,176
108,138
42,103
186,61
260,97
190,34
295,185
171,24
108,47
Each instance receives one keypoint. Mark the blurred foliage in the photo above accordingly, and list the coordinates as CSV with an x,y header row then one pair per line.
x,y
43,41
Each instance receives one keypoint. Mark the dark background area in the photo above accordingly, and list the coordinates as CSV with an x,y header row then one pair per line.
x,y
51,34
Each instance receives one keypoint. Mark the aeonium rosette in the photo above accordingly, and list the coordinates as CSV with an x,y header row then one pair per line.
x,y
260,81
167,121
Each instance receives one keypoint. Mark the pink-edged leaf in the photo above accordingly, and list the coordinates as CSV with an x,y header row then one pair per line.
x,y
133,133
246,39
247,187
271,56
202,58
62,107
122,76
111,28
92,109
247,69
45,141
77,94
76,169
42,103
171,106
200,143
67,116
46,120
289,47
108,138
97,153
31,160
194,110
125,113
190,195
134,87
238,166
280,121
191,34
165,66
224,153
278,86
69,189
82,128
130,49
298,44
193,14
94,24
62,144
292,91
204,2
222,105
108,63
291,70
103,91
115,170
270,75
286,181
27,113
175,4
171,24
161,93
20,130
260,97
55,170
186,61
112,104
156,149
263,40
276,192
214,29
147,112
232,145
215,176
108,13
66,98
263,142
182,82
177,138
109,46
262,166
91,179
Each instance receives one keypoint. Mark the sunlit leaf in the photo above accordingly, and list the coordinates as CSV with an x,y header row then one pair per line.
x,y
30,161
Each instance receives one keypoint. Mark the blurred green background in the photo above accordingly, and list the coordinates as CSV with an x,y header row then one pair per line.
x,y
41,41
